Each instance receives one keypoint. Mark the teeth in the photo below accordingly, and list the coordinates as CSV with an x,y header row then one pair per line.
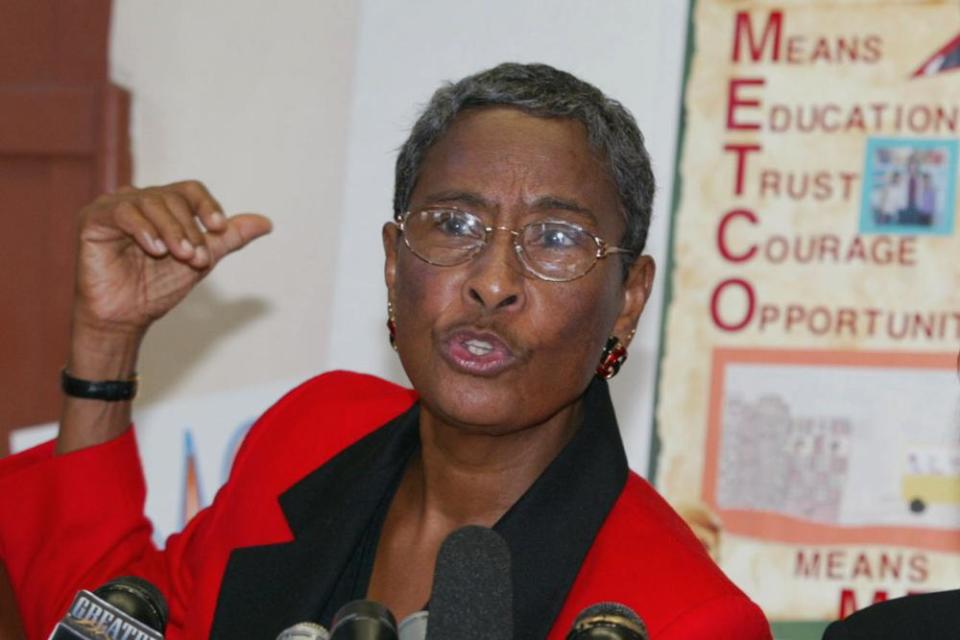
x,y
478,347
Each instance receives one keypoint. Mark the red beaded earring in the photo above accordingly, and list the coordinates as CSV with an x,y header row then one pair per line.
x,y
613,356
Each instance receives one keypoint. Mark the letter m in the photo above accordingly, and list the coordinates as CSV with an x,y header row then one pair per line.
x,y
769,42
807,567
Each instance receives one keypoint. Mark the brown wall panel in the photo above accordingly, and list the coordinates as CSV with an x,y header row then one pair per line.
x,y
54,41
49,120
63,140
39,194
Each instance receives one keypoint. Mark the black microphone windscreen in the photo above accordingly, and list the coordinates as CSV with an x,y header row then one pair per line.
x,y
608,621
123,608
472,595
138,598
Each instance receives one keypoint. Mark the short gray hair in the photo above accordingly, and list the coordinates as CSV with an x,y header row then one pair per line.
x,y
543,91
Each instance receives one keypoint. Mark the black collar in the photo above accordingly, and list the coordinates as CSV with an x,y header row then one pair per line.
x,y
549,530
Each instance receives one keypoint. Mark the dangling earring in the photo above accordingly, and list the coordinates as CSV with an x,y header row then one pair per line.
x,y
391,325
613,356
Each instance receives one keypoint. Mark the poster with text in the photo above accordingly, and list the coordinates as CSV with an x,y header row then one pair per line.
x,y
808,406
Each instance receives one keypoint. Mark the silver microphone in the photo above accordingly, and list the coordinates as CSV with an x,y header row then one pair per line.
x,y
414,626
363,620
304,631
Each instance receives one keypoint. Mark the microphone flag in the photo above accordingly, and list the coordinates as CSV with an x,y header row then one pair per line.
x,y
90,618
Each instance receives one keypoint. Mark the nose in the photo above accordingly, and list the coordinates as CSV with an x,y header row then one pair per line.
x,y
496,278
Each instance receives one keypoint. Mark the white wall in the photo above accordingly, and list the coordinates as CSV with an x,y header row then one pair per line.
x,y
632,50
252,98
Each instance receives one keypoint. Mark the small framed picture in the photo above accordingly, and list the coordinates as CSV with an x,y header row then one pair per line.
x,y
909,187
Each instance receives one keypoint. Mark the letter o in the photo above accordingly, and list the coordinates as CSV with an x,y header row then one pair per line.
x,y
819,312
715,304
777,249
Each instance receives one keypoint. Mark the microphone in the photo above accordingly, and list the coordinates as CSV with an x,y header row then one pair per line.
x,y
304,631
360,619
127,608
472,595
608,621
363,620
414,626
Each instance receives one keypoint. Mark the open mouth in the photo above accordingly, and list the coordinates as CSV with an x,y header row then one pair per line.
x,y
481,353
478,347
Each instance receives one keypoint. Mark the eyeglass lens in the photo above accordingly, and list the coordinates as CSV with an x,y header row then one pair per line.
x,y
552,250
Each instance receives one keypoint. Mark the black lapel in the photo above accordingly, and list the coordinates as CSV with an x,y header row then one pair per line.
x,y
268,588
551,528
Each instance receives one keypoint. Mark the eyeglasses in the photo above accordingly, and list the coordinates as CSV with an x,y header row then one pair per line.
x,y
550,249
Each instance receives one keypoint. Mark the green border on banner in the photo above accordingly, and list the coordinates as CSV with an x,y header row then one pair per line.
x,y
668,272
798,630
786,630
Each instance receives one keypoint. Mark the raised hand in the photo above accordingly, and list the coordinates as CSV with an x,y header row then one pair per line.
x,y
140,252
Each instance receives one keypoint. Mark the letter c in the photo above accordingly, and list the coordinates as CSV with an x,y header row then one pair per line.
x,y
728,255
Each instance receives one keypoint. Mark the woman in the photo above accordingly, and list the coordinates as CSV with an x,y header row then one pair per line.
x,y
514,277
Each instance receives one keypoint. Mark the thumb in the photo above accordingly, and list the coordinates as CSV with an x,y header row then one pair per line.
x,y
241,230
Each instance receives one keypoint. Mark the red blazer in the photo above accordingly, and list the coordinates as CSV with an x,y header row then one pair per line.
x,y
76,521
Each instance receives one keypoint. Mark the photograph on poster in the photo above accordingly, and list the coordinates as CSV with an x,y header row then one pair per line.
x,y
909,186
818,447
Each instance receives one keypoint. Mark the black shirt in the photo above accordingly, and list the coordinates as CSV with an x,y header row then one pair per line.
x,y
931,616
336,514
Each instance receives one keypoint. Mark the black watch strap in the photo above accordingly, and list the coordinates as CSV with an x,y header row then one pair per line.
x,y
107,390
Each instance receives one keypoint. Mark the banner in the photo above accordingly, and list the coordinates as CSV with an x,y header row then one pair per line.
x,y
808,411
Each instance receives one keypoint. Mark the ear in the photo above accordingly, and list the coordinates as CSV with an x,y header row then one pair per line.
x,y
636,292
391,237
